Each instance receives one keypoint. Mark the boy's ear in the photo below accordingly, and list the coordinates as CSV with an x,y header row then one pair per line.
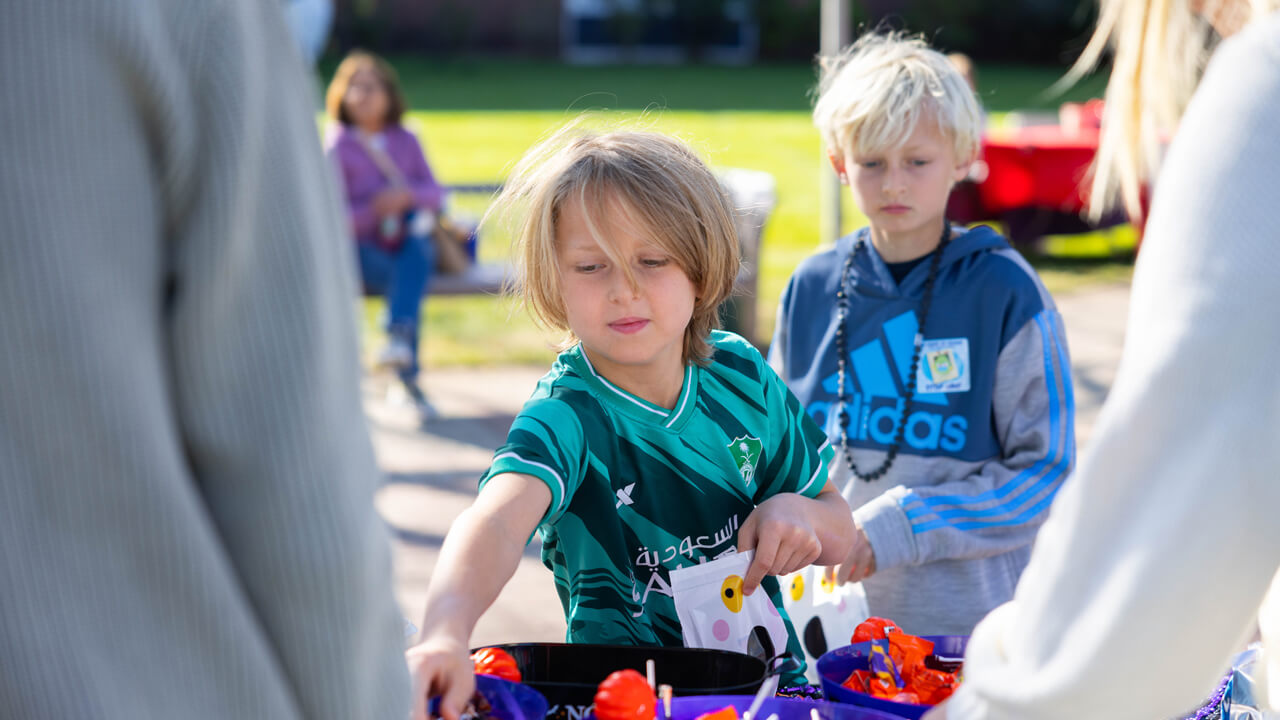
x,y
837,163
961,171
963,168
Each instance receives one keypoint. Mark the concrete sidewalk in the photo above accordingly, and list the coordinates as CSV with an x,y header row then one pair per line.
x,y
431,475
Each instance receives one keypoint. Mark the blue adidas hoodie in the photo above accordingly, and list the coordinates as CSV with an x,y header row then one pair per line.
x,y
990,436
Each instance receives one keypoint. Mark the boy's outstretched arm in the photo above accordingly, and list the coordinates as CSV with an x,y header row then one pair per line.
x,y
790,531
479,556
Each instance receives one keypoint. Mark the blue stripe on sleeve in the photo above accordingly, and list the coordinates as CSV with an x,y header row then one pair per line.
x,y
1061,461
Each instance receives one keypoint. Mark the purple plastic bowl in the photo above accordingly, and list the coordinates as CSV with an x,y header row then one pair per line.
x,y
510,701
836,665
689,708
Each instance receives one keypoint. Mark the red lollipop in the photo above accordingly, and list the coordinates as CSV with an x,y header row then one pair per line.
x,y
625,695
496,662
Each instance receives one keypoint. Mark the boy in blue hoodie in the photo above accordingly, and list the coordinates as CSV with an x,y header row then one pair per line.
x,y
932,355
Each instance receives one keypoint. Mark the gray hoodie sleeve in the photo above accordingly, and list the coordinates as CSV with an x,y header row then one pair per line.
x,y
988,508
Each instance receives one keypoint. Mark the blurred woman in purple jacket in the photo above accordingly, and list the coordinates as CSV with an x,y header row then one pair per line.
x,y
392,202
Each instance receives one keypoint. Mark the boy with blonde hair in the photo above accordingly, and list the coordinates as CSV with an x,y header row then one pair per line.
x,y
655,442
932,355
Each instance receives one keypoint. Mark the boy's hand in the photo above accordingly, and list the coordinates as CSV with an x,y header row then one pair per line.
x,y
860,563
441,667
781,532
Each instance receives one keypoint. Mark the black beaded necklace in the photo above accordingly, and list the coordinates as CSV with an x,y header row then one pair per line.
x,y
842,312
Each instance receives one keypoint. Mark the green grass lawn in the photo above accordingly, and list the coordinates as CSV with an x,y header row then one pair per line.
x,y
477,118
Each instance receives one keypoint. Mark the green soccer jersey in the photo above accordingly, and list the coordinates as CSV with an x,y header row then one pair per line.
x,y
638,490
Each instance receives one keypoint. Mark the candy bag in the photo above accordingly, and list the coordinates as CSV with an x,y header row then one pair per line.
x,y
824,613
714,613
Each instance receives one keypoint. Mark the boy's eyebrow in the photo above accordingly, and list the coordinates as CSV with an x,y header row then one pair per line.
x,y
907,149
583,247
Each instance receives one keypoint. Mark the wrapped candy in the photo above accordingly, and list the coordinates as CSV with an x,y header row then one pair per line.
x,y
625,695
496,662
859,680
933,686
901,667
725,713
909,652
873,628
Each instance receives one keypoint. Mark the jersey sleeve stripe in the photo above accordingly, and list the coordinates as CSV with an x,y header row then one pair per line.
x,y
817,471
546,470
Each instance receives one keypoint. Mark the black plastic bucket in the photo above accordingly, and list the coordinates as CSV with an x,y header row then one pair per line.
x,y
567,674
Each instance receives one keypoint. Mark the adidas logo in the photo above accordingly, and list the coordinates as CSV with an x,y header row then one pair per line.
x,y
875,377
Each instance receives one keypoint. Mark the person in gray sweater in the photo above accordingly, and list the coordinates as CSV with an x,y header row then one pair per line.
x,y
186,477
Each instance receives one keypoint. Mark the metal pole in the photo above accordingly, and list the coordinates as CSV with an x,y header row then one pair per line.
x,y
836,33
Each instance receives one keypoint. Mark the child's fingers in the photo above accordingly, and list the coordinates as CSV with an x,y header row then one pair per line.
x,y
456,696
797,557
419,709
797,547
760,565
422,681
852,572
747,533
844,572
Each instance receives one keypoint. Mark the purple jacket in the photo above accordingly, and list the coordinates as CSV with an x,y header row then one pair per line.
x,y
362,179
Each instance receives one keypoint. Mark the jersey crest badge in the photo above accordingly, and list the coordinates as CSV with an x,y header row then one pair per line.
x,y
746,455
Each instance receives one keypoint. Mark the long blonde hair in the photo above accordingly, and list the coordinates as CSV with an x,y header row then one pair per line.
x,y
658,181
1160,49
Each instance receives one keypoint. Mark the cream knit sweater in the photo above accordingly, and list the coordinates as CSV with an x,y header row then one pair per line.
x,y
1157,556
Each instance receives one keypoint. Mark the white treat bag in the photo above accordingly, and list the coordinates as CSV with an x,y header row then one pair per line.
x,y
715,614
824,614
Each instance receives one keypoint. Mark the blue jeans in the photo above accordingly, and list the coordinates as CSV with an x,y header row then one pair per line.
x,y
401,277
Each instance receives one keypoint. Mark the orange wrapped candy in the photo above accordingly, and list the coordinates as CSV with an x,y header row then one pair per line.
x,y
496,662
909,652
897,667
873,628
883,688
859,680
625,695
933,686
725,713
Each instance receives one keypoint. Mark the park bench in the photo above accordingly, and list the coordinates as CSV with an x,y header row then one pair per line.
x,y
753,194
